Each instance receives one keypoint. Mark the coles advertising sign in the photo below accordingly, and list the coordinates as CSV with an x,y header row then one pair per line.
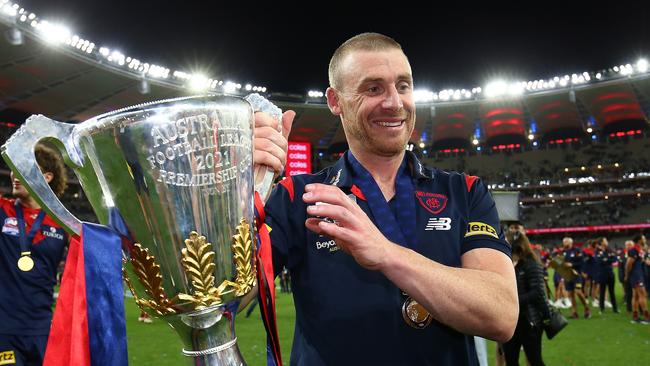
x,y
298,159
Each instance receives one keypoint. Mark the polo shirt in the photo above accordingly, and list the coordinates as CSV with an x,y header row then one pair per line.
x,y
349,315
636,273
26,298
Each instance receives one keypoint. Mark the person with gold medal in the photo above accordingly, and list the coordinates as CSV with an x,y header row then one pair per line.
x,y
391,262
31,249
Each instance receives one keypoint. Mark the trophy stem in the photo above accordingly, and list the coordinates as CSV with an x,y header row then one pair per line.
x,y
208,337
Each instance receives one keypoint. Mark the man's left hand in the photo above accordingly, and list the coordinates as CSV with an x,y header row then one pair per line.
x,y
351,228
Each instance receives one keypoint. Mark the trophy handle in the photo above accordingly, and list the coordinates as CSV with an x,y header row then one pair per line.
x,y
264,175
18,152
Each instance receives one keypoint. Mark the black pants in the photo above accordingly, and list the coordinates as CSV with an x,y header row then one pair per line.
x,y
529,337
609,282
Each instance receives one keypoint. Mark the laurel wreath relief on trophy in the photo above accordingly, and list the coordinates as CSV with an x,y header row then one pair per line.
x,y
198,262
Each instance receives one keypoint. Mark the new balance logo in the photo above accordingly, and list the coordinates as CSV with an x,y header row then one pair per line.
x,y
438,223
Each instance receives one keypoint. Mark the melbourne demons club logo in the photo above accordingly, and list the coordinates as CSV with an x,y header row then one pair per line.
x,y
432,202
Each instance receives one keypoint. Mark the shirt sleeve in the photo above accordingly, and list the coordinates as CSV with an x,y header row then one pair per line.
x,y
483,228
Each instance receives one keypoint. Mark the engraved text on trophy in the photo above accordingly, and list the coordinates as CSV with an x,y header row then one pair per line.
x,y
204,141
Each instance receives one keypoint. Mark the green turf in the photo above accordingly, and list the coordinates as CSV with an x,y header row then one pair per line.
x,y
607,339
158,344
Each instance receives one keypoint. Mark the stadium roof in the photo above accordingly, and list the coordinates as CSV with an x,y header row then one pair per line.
x,y
69,84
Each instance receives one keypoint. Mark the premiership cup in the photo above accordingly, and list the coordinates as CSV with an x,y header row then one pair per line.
x,y
558,263
179,173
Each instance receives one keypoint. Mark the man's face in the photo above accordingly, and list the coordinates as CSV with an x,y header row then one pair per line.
x,y
513,228
17,189
376,101
567,243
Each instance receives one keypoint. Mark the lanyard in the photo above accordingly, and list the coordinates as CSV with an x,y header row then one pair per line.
x,y
400,229
26,240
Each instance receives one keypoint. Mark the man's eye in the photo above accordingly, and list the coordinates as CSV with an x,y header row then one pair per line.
x,y
404,87
374,89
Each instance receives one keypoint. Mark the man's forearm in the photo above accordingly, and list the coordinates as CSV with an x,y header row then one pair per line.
x,y
472,301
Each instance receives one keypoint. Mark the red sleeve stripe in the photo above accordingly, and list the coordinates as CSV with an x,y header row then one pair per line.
x,y
470,179
288,184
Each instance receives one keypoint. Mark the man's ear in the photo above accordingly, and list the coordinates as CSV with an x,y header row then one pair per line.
x,y
48,176
333,101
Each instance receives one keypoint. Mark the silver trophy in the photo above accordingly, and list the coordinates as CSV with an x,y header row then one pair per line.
x,y
180,174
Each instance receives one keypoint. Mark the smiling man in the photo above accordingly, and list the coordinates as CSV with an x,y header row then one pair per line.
x,y
416,263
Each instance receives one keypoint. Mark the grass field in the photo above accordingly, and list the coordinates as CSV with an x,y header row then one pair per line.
x,y
607,339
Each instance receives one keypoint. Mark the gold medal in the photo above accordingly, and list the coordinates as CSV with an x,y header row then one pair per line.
x,y
415,315
25,262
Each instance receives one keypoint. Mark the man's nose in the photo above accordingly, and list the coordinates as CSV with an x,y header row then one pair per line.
x,y
392,100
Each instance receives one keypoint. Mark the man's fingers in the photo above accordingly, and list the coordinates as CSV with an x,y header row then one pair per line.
x,y
265,120
270,160
287,122
326,193
312,224
338,233
336,213
269,133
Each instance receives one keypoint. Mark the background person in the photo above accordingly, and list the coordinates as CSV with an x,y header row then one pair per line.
x,y
30,252
533,306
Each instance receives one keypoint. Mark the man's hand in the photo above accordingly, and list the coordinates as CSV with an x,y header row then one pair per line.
x,y
352,230
269,143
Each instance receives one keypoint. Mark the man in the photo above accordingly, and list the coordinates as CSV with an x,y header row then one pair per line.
x,y
627,290
634,275
604,259
573,258
391,263
32,247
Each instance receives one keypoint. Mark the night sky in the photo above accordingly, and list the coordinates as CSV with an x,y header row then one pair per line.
x,y
286,46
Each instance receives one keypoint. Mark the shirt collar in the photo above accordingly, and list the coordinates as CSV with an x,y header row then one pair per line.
x,y
340,174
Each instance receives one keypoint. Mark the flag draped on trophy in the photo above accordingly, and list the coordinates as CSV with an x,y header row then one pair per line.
x,y
89,325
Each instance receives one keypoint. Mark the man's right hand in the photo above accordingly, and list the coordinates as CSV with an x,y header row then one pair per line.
x,y
270,145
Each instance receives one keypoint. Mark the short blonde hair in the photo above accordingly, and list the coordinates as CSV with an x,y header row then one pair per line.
x,y
363,42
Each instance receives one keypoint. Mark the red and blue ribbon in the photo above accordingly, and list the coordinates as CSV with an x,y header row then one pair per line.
x,y
89,328
266,286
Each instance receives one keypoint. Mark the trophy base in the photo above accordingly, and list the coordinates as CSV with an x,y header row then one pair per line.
x,y
225,355
208,337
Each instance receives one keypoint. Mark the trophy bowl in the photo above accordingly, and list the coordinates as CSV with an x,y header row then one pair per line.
x,y
178,175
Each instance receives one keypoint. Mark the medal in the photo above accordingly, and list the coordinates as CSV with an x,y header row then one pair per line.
x,y
415,315
25,262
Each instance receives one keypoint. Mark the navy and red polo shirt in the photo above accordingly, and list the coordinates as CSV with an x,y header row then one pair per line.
x,y
26,298
604,260
636,276
348,315
575,256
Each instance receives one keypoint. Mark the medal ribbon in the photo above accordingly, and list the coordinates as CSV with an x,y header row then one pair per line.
x,y
400,229
26,239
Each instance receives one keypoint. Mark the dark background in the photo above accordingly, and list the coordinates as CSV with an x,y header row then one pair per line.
x,y
286,46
